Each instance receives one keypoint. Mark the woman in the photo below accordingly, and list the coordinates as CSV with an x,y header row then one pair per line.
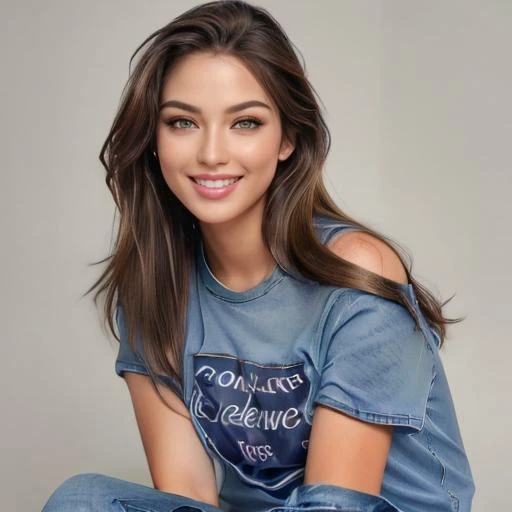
x,y
278,353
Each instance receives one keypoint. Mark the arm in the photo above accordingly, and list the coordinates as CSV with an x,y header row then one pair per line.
x,y
347,452
177,460
346,455
344,450
345,465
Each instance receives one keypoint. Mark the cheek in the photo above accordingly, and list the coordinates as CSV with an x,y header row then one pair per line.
x,y
258,152
174,153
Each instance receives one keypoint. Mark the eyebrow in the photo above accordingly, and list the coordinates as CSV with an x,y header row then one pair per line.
x,y
229,110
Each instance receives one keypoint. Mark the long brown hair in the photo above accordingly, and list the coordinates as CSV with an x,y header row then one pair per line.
x,y
148,270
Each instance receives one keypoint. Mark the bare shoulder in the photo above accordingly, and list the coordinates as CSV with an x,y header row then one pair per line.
x,y
369,252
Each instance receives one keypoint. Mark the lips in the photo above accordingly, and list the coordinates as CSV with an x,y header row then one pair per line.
x,y
215,192
196,178
214,177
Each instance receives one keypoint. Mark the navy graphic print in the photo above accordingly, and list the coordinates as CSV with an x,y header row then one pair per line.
x,y
254,416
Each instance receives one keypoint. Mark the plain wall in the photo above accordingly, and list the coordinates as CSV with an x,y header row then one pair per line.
x,y
417,97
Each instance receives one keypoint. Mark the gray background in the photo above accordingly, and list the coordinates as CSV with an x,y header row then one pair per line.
x,y
418,101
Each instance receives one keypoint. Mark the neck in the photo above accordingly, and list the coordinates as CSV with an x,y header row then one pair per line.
x,y
235,252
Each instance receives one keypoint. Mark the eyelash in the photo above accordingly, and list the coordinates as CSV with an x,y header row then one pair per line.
x,y
171,122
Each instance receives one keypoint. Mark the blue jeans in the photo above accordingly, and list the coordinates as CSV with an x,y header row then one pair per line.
x,y
92,492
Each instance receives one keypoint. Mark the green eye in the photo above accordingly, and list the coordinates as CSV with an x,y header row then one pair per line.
x,y
182,123
248,123
185,123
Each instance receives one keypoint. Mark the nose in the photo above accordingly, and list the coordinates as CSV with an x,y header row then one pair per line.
x,y
213,150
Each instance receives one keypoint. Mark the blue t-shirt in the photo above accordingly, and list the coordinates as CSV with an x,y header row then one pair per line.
x,y
257,362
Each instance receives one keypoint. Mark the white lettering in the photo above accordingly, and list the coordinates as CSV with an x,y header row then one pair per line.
x,y
250,417
295,379
255,453
293,413
226,384
272,385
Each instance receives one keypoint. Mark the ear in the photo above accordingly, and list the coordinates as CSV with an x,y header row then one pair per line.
x,y
286,149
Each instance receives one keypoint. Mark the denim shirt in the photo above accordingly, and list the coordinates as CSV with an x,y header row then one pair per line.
x,y
257,362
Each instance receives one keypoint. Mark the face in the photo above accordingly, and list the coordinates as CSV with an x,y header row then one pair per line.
x,y
217,124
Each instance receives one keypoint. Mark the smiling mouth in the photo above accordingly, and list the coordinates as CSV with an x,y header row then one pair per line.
x,y
216,183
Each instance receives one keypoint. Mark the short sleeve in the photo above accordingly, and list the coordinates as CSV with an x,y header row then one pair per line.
x,y
133,361
375,364
128,360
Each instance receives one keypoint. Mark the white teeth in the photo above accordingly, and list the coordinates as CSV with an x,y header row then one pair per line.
x,y
216,183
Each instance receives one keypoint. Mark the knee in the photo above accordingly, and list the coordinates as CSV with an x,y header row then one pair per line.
x,y
80,492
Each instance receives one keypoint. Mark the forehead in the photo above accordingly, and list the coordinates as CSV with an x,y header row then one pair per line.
x,y
207,78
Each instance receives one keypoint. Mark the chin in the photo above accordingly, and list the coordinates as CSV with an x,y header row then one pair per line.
x,y
217,214
217,219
